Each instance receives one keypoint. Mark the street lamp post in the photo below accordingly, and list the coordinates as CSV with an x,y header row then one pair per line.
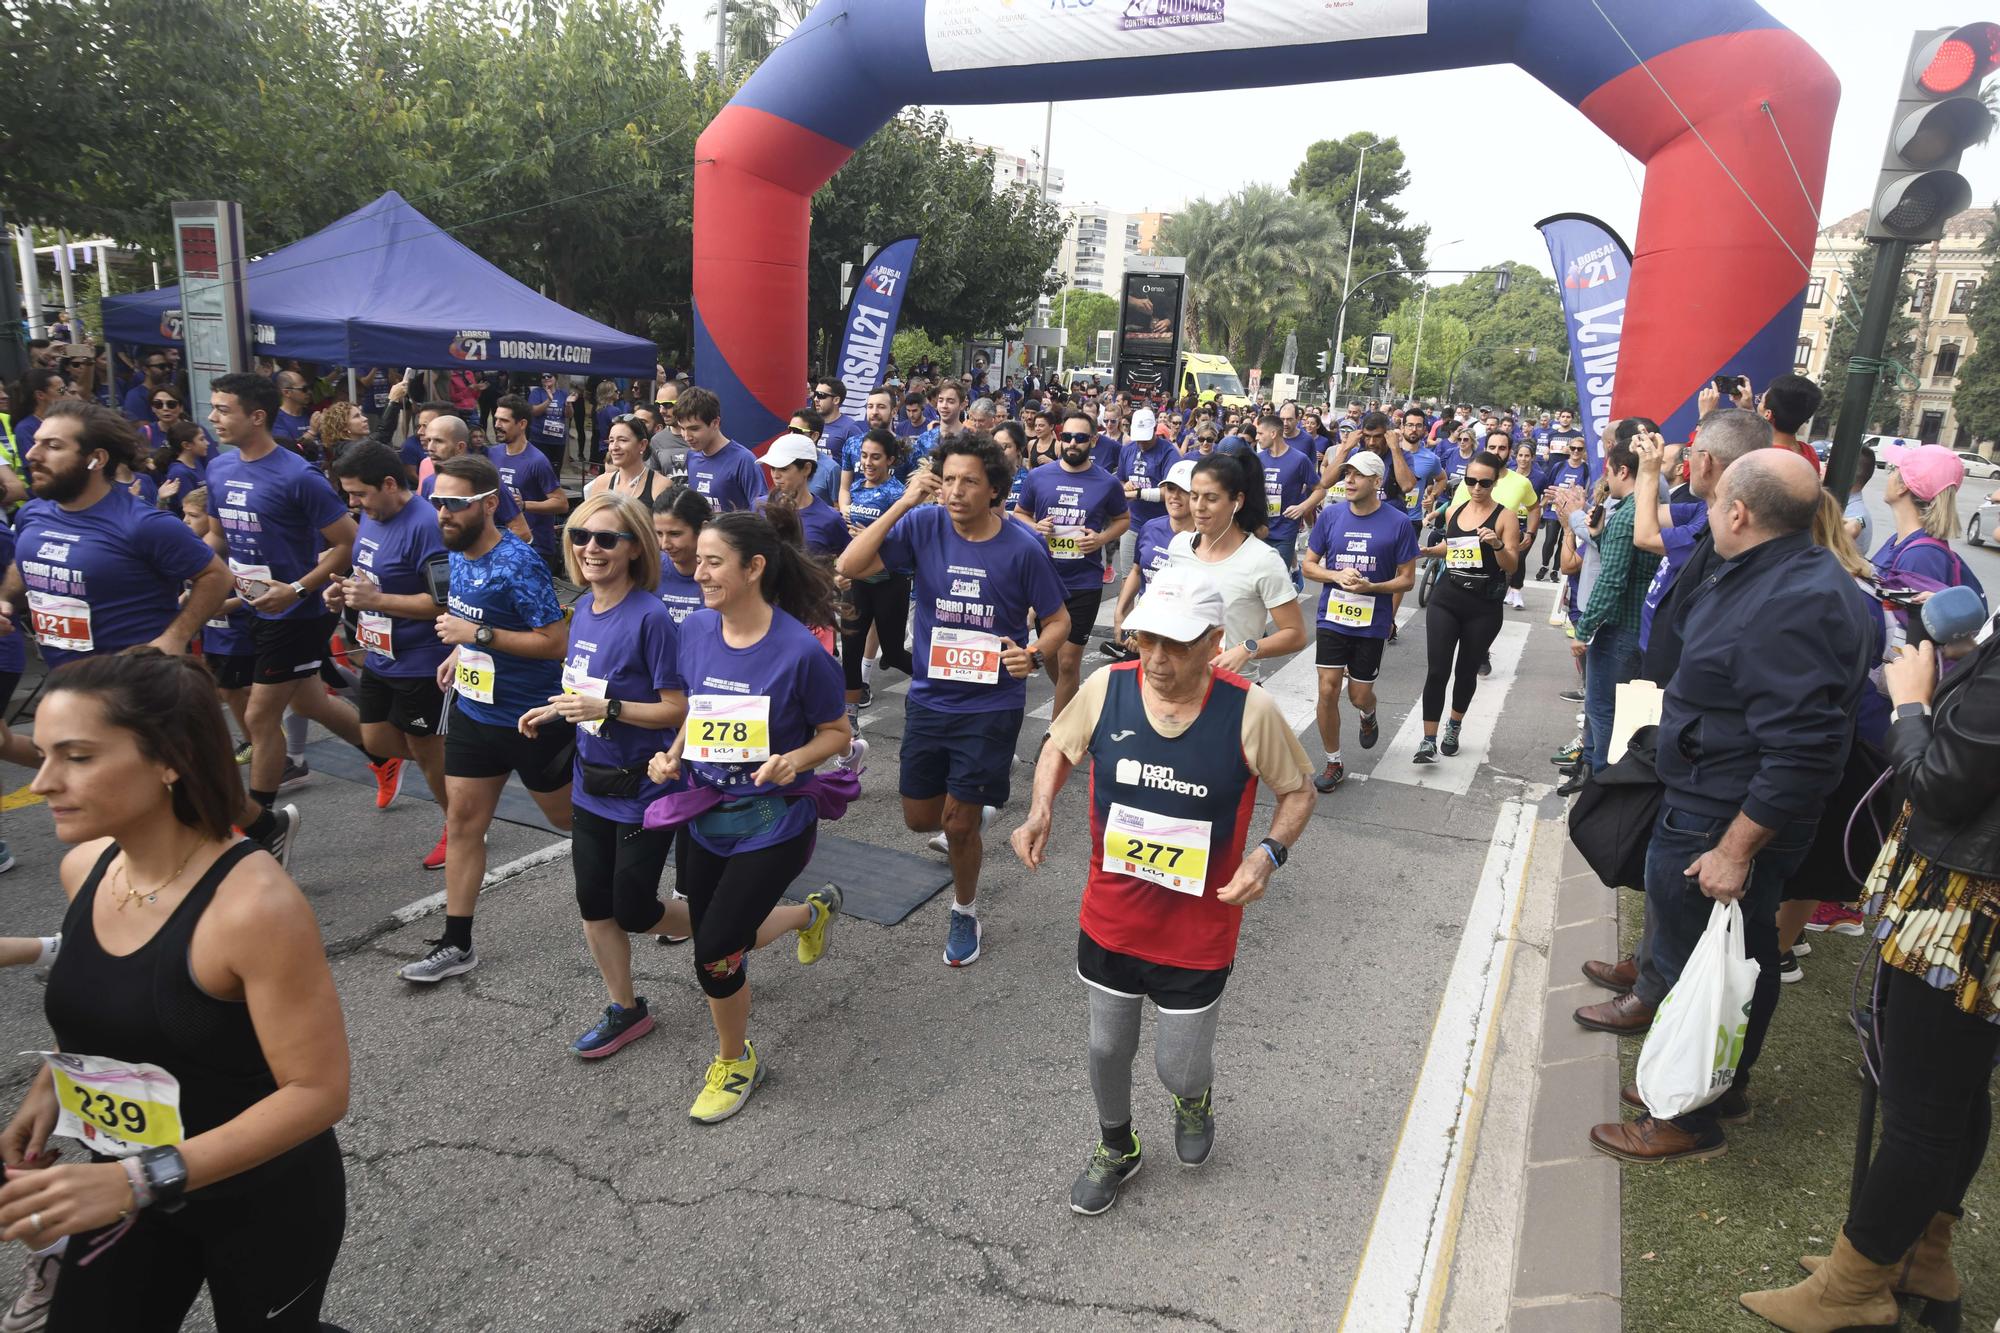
x,y
1341,321
1424,309
1347,279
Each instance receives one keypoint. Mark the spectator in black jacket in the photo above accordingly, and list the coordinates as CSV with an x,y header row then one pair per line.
x,y
1753,738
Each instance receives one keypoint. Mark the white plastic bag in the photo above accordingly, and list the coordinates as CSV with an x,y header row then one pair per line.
x,y
1696,1040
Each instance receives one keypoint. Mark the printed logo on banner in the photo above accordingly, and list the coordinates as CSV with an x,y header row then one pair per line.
x,y
1592,270
1002,34
1141,14
170,325
882,281
470,345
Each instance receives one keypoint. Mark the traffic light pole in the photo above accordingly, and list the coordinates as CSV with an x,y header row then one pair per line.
x,y
1864,368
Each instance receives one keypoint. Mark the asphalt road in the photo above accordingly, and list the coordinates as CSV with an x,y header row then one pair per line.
x,y
909,1158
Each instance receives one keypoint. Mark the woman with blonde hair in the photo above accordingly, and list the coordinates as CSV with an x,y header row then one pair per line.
x,y
1922,494
335,427
622,688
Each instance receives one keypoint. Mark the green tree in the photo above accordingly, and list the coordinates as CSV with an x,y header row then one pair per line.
x,y
1384,237
1084,313
1900,347
1977,398
1529,314
1257,262
757,26
984,256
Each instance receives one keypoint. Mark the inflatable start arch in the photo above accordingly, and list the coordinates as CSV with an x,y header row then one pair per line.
x,y
1699,90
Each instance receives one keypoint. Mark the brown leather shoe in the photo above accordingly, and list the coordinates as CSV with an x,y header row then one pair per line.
x,y
1649,1140
1620,976
1731,1108
1626,1015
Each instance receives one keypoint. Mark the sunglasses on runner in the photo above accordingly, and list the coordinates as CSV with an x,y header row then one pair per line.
x,y
165,402
1483,483
458,504
604,541
1075,437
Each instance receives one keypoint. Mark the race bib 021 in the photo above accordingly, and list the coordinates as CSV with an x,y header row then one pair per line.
x,y
62,623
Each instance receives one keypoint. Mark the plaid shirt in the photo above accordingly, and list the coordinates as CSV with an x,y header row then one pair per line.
x,y
1623,575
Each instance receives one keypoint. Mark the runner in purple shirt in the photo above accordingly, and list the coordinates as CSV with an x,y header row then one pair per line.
x,y
1080,511
526,472
718,468
792,460
978,575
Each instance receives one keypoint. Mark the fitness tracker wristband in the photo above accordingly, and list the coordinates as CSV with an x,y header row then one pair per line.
x,y
483,636
302,591
166,1176
612,708
1276,850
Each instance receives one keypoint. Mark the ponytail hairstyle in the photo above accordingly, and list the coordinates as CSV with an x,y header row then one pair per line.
x,y
687,504
792,582
1240,475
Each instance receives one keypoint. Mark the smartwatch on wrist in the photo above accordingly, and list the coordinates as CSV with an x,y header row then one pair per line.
x,y
612,708
1251,645
1912,710
483,636
1276,850
302,591
166,1176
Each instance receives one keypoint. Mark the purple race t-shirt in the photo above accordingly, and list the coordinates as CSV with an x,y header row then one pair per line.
x,y
825,534
788,679
104,578
983,587
272,511
1372,545
394,555
530,476
1078,502
1154,539
679,593
1287,481
630,652
1147,465
730,478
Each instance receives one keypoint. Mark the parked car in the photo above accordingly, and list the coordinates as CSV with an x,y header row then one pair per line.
x,y
1823,448
1985,520
1978,465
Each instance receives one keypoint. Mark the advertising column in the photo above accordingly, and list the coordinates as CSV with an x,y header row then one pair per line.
x,y
215,309
1151,301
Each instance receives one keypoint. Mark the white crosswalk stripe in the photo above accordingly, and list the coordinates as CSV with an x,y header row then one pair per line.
x,y
1455,774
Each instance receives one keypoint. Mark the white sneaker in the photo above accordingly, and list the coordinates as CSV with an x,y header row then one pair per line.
x,y
30,1310
851,761
942,846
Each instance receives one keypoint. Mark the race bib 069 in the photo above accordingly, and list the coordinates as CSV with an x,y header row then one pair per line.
x,y
968,655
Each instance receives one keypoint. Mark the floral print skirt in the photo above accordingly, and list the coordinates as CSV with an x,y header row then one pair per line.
x,y
1939,925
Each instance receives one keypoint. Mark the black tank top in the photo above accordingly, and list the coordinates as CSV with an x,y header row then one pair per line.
x,y
1489,574
145,1007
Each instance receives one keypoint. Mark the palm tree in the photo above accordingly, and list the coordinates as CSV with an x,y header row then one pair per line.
x,y
757,26
1261,258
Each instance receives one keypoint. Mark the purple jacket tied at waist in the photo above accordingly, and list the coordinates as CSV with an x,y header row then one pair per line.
x,y
830,793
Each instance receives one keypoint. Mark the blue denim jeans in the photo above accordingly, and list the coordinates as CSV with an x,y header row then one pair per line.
x,y
1677,913
1610,661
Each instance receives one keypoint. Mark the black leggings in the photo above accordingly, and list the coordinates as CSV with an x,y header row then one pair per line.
x,y
618,869
1937,1110
1552,538
729,897
266,1254
1465,624
886,605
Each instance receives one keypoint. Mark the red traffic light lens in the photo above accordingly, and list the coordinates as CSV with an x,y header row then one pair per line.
x,y
1954,66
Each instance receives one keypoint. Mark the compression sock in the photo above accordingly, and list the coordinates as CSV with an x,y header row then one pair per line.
x,y
296,733
458,931
1119,1138
265,824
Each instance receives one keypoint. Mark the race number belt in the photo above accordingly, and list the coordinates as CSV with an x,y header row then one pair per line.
x,y
1349,612
115,1108
1164,850
61,622
729,728
474,675
968,655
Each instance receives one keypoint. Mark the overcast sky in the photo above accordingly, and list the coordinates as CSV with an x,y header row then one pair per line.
x,y
1131,153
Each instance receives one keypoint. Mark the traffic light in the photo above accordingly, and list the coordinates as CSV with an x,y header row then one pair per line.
x,y
1322,363
1939,116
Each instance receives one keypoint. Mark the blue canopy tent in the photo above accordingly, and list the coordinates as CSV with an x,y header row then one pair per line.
x,y
386,286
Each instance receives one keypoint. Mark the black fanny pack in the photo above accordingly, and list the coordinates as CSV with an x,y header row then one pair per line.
x,y
612,781
1483,586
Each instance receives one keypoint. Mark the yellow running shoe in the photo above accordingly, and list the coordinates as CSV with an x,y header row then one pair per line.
x,y
730,1083
825,903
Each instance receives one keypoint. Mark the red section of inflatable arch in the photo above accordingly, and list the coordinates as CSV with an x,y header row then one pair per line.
x,y
1695,306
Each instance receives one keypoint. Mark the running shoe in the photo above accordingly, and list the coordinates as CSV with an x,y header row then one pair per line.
x,y
1371,731
286,835
1836,917
1194,1128
7,863
1110,574
729,1085
1392,635
679,897
1103,1175
942,845
297,774
867,696
1802,950
1486,667
444,960
1788,967
825,904
618,1028
961,939
1116,651
850,762
1330,777
1568,755
30,1310
1448,742
435,859
388,782
243,752
1571,696
1427,751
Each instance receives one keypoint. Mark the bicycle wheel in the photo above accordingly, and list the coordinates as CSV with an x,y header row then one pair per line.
x,y
1428,580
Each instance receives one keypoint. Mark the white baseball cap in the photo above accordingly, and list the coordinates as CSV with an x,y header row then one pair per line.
x,y
1181,604
1365,461
789,449
1180,474
1144,423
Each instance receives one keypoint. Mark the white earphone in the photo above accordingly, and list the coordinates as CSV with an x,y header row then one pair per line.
x,y
91,466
